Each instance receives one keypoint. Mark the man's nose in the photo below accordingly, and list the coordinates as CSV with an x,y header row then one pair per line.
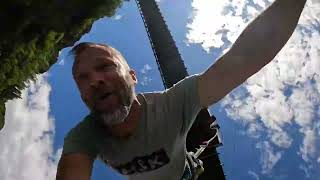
x,y
96,81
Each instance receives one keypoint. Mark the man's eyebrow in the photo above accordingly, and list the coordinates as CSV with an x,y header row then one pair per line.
x,y
77,74
104,58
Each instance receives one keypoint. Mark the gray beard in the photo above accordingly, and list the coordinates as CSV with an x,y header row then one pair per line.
x,y
116,117
120,114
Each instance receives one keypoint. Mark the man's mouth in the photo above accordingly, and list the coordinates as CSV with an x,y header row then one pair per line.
x,y
105,96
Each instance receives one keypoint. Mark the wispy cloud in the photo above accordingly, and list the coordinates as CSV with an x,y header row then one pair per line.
x,y
311,144
64,56
117,17
145,69
284,93
145,77
254,175
305,170
60,59
26,150
269,156
215,23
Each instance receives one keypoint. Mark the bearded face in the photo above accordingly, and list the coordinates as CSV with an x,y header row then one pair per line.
x,y
119,114
105,84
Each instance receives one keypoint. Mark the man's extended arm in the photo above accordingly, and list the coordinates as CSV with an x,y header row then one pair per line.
x,y
257,45
74,166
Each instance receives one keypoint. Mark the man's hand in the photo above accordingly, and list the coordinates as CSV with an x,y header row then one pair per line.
x,y
74,166
257,45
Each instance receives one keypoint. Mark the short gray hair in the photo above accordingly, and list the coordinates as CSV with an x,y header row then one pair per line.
x,y
79,48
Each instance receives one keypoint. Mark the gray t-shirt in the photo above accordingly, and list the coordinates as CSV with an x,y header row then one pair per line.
x,y
157,149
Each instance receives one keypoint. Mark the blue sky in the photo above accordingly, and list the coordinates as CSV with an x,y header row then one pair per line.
x,y
270,125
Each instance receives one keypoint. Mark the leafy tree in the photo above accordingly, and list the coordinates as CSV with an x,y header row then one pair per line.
x,y
33,32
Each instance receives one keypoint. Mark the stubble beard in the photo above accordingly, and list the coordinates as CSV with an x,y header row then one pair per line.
x,y
117,116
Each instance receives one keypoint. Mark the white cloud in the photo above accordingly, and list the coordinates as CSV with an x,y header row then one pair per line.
x,y
304,101
64,56
61,62
117,17
254,130
60,59
305,170
310,146
285,92
280,138
273,111
260,3
269,157
210,26
145,80
146,68
254,175
26,150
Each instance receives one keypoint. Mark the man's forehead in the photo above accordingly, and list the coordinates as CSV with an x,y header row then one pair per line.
x,y
97,49
94,54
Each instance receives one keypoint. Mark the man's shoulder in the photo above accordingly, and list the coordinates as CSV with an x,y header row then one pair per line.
x,y
187,84
85,126
151,98
152,94
83,138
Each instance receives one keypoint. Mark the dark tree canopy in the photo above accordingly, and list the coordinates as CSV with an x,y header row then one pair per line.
x,y
33,32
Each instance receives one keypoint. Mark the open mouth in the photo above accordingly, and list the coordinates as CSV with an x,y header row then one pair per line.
x,y
105,96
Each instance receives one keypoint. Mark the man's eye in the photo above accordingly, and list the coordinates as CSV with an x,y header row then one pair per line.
x,y
104,67
82,76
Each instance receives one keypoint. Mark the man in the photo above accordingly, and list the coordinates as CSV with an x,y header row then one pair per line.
x,y
142,136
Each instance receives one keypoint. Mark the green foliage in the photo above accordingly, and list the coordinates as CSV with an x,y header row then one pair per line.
x,y
33,32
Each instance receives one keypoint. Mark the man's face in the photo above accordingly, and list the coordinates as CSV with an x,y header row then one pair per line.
x,y
105,85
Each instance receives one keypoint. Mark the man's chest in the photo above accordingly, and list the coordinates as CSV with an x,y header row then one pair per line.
x,y
138,164
149,151
156,146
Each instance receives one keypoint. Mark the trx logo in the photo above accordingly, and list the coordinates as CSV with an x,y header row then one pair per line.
x,y
144,163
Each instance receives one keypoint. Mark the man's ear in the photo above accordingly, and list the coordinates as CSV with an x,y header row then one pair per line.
x,y
133,76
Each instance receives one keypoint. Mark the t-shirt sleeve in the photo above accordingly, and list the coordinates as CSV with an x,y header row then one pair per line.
x,y
184,101
81,139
